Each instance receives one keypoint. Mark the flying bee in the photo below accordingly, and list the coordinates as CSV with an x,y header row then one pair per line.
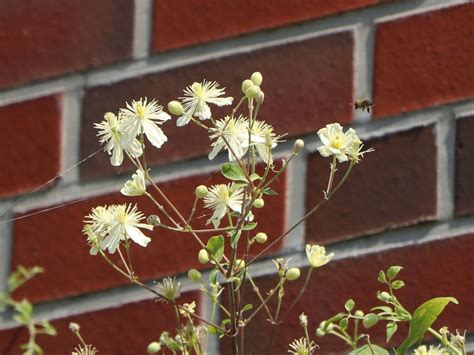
x,y
364,104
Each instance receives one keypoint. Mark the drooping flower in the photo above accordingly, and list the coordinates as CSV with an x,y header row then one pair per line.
x,y
196,98
143,117
111,133
355,152
264,140
316,255
135,186
235,132
301,347
336,142
423,350
222,197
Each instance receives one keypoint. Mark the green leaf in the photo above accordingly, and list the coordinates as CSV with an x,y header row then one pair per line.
x,y
391,329
255,176
369,350
349,306
397,284
382,279
233,172
215,246
213,276
393,271
247,307
344,323
249,226
269,191
48,328
234,239
422,319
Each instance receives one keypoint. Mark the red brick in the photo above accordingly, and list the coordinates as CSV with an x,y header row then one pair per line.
x,y
64,254
391,187
464,176
43,39
185,22
307,84
355,278
30,144
121,329
424,60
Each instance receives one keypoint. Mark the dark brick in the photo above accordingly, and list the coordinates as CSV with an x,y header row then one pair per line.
x,y
186,22
391,187
356,278
424,60
54,241
464,177
40,39
307,84
30,142
120,329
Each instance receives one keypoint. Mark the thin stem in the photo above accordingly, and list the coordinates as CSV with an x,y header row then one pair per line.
x,y
302,291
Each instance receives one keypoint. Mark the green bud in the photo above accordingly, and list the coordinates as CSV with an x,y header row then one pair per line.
x,y
239,264
194,275
384,296
370,320
261,237
359,313
298,146
256,78
246,84
201,191
175,108
153,347
259,203
320,332
203,256
252,92
293,274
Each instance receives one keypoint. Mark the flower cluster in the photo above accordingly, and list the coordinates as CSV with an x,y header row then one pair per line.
x,y
107,226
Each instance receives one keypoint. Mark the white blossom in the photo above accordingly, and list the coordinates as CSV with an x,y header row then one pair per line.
x,y
316,255
135,186
336,142
222,197
235,132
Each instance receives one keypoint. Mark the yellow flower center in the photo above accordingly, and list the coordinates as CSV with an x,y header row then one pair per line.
x,y
337,141
141,110
197,88
121,216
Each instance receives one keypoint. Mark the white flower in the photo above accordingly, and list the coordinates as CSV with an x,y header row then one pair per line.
x,y
423,350
196,98
136,186
111,133
336,142
317,255
264,140
301,347
235,132
142,117
188,308
220,198
107,226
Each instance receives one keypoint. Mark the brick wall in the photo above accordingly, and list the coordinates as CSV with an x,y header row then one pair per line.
x,y
64,63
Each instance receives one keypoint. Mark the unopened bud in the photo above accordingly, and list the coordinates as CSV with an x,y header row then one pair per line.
x,y
201,191
384,296
370,320
153,219
153,347
259,203
293,274
194,275
246,84
256,78
261,237
175,108
239,264
203,256
298,146
74,327
252,92
359,313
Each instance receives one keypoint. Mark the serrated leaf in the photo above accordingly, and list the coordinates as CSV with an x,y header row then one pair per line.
x,y
423,317
391,328
249,226
215,246
369,350
233,172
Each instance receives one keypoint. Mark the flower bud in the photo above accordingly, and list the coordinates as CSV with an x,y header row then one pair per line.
x,y
175,108
298,146
359,313
153,219
74,327
194,275
252,92
293,274
153,347
256,78
201,191
370,320
261,238
246,84
384,296
259,203
239,264
203,256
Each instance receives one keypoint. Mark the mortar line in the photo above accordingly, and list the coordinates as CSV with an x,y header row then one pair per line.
x,y
142,28
6,244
